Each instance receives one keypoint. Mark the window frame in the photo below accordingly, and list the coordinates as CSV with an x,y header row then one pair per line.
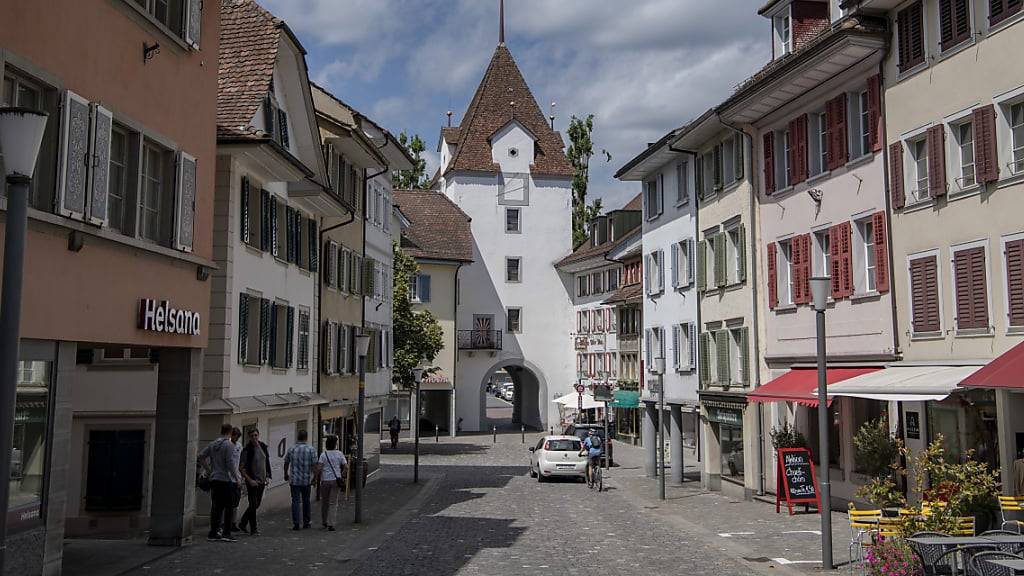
x,y
166,192
519,269
957,128
940,332
784,265
1016,148
518,211
519,319
918,194
863,124
822,239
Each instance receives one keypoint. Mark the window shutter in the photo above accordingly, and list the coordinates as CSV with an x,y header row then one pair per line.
x,y
721,278
243,327
691,257
798,149
936,142
769,163
367,288
999,10
193,22
881,239
289,341
289,222
282,124
243,203
896,182
274,360
269,115
946,33
846,243
264,330
661,271
340,332
648,269
971,289
838,146
722,357
314,244
99,167
796,269
741,253
773,276
738,156
692,348
73,179
911,37
677,357
264,220
705,360
675,264
875,112
716,159
961,13
275,234
702,265
986,156
804,278
425,288
903,38
185,202
660,196
925,294
698,176
835,251
1014,253
325,348
648,355
744,356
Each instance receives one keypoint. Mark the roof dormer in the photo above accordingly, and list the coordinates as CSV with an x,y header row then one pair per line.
x,y
795,23
512,147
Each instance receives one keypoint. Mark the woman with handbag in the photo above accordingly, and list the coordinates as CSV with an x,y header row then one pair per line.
x,y
332,469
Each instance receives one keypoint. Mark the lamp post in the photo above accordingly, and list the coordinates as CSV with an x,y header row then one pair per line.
x,y
362,347
820,289
417,376
21,135
659,369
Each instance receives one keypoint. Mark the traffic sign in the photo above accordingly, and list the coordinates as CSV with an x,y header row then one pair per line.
x,y
580,388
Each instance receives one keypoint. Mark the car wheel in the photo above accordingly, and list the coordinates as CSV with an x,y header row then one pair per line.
x,y
533,473
540,477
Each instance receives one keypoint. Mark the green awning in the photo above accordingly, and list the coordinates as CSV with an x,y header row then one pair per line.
x,y
626,399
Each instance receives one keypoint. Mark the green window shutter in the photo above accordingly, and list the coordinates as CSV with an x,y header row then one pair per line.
x,y
289,346
368,276
745,356
721,278
722,356
702,252
698,173
243,201
738,162
705,359
243,327
741,249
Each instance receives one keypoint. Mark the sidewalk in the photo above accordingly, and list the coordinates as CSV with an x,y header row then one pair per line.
x,y
386,502
747,529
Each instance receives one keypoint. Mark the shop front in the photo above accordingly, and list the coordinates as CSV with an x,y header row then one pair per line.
x,y
625,418
725,465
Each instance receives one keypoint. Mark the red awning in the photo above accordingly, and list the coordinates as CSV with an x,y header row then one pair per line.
x,y
801,385
1006,371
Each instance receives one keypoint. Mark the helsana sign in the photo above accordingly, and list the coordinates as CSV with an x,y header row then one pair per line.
x,y
160,316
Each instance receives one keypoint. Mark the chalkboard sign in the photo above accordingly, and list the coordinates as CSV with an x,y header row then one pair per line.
x,y
798,483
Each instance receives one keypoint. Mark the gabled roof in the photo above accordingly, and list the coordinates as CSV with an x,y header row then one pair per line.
x,y
634,205
492,108
438,229
586,251
249,40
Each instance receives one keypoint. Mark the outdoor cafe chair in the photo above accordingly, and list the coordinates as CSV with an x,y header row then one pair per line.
x,y
1012,510
940,560
1005,546
981,567
889,527
965,526
862,523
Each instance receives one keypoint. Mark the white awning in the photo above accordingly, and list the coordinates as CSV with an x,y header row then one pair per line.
x,y
904,383
571,400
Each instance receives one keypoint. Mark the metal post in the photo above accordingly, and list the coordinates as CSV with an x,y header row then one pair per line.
x,y
416,443
661,435
607,441
522,433
437,437
360,424
10,327
494,434
823,446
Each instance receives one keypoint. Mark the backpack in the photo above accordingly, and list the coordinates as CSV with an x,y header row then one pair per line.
x,y
595,442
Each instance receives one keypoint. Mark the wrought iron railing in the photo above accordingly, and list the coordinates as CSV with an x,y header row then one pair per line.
x,y
479,339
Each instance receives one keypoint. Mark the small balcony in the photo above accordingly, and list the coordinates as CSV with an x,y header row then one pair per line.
x,y
479,339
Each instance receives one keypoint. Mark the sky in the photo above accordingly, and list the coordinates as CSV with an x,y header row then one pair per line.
x,y
641,67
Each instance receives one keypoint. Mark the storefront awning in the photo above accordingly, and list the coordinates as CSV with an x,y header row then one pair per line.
x,y
243,404
800,385
904,383
571,400
626,399
1006,371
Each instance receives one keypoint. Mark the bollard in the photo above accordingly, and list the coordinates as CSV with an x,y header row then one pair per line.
x,y
522,433
436,437
494,432
551,430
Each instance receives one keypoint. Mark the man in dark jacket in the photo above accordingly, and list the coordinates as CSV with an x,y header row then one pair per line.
x,y
255,468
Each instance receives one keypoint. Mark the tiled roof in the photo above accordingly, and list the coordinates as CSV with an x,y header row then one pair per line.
x,y
636,204
491,109
451,134
626,294
249,40
587,251
439,230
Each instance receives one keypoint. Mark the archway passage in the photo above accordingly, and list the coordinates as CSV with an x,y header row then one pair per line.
x,y
523,407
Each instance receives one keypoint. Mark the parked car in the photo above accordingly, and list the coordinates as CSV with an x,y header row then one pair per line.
x,y
508,394
557,456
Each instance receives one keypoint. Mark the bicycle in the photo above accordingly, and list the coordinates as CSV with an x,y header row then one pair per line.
x,y
596,477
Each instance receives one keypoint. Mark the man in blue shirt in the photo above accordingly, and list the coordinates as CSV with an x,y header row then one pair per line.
x,y
298,472
594,447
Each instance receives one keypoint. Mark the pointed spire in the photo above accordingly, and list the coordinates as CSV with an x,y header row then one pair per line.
x,y
501,22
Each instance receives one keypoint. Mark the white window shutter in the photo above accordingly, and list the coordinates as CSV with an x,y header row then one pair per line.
x,y
73,176
193,22
185,202
99,164
676,355
661,341
693,345
661,271
675,265
647,348
661,193
647,273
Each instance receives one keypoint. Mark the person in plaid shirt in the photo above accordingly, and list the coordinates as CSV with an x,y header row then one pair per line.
x,y
298,472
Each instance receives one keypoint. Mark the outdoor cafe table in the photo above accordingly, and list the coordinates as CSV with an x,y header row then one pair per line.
x,y
1016,565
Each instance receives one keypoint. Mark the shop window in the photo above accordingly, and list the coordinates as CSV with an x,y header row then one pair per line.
x,y
28,454
864,412
835,434
116,469
731,438
156,197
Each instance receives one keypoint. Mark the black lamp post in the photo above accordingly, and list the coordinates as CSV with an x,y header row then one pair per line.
x,y
417,376
820,289
362,348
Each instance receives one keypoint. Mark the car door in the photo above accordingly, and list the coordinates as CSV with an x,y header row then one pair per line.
x,y
535,456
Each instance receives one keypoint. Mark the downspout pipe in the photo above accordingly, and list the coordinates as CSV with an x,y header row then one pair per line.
x,y
755,323
455,356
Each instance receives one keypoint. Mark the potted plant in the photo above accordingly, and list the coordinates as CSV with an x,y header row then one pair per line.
x,y
876,454
786,436
892,557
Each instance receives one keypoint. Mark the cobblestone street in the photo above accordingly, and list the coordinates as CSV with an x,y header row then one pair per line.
x,y
478,512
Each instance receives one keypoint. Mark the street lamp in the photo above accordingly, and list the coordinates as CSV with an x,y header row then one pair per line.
x,y
362,348
821,286
417,376
21,135
659,369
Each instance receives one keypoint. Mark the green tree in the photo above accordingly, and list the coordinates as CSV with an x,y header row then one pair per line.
x,y
417,177
417,334
581,149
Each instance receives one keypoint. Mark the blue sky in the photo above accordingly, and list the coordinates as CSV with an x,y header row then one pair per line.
x,y
642,67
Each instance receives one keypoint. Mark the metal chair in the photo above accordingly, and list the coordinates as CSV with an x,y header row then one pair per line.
x,y
1005,547
1012,510
980,566
862,523
939,561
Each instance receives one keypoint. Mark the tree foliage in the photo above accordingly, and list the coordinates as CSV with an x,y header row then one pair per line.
x,y
581,149
417,334
417,177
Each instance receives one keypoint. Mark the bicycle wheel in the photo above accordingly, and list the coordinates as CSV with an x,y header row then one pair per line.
x,y
599,480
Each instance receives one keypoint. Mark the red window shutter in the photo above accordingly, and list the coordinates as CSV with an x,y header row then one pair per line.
x,y
903,39
796,269
875,111
962,20
916,296
985,153
793,156
806,264
999,10
769,163
946,26
881,252
979,288
916,13
846,239
773,277
896,183
835,260
936,142
1014,253
962,290
924,291
837,144
801,139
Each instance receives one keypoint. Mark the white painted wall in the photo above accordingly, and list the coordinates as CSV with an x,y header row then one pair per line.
x,y
512,148
378,247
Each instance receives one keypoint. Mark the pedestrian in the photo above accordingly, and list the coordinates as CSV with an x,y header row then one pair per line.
x,y
219,461
331,470
255,469
236,443
458,426
298,472
395,427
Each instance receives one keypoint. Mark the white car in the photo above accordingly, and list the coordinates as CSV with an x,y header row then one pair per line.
x,y
557,456
508,394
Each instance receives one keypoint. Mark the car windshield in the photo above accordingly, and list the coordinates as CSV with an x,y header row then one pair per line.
x,y
562,445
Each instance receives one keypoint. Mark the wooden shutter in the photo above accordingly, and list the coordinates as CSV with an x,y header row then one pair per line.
x,y
798,149
289,224
1014,253
936,142
677,356
702,265
806,263
722,357
282,123
721,275
881,241
838,145
910,29
946,33
275,234
738,143
999,10
265,314
924,290
73,179
875,112
836,260
289,340
986,155
243,327
692,348
971,288
773,276
99,165
193,22
367,286
896,182
705,359
314,245
846,246
769,163
243,203
741,253
265,203
796,269
675,264
185,202
954,22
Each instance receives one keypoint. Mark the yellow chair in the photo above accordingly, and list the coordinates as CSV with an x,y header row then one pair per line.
x,y
1012,510
889,527
964,526
927,508
862,523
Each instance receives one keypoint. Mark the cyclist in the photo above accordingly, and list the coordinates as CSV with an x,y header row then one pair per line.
x,y
594,447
